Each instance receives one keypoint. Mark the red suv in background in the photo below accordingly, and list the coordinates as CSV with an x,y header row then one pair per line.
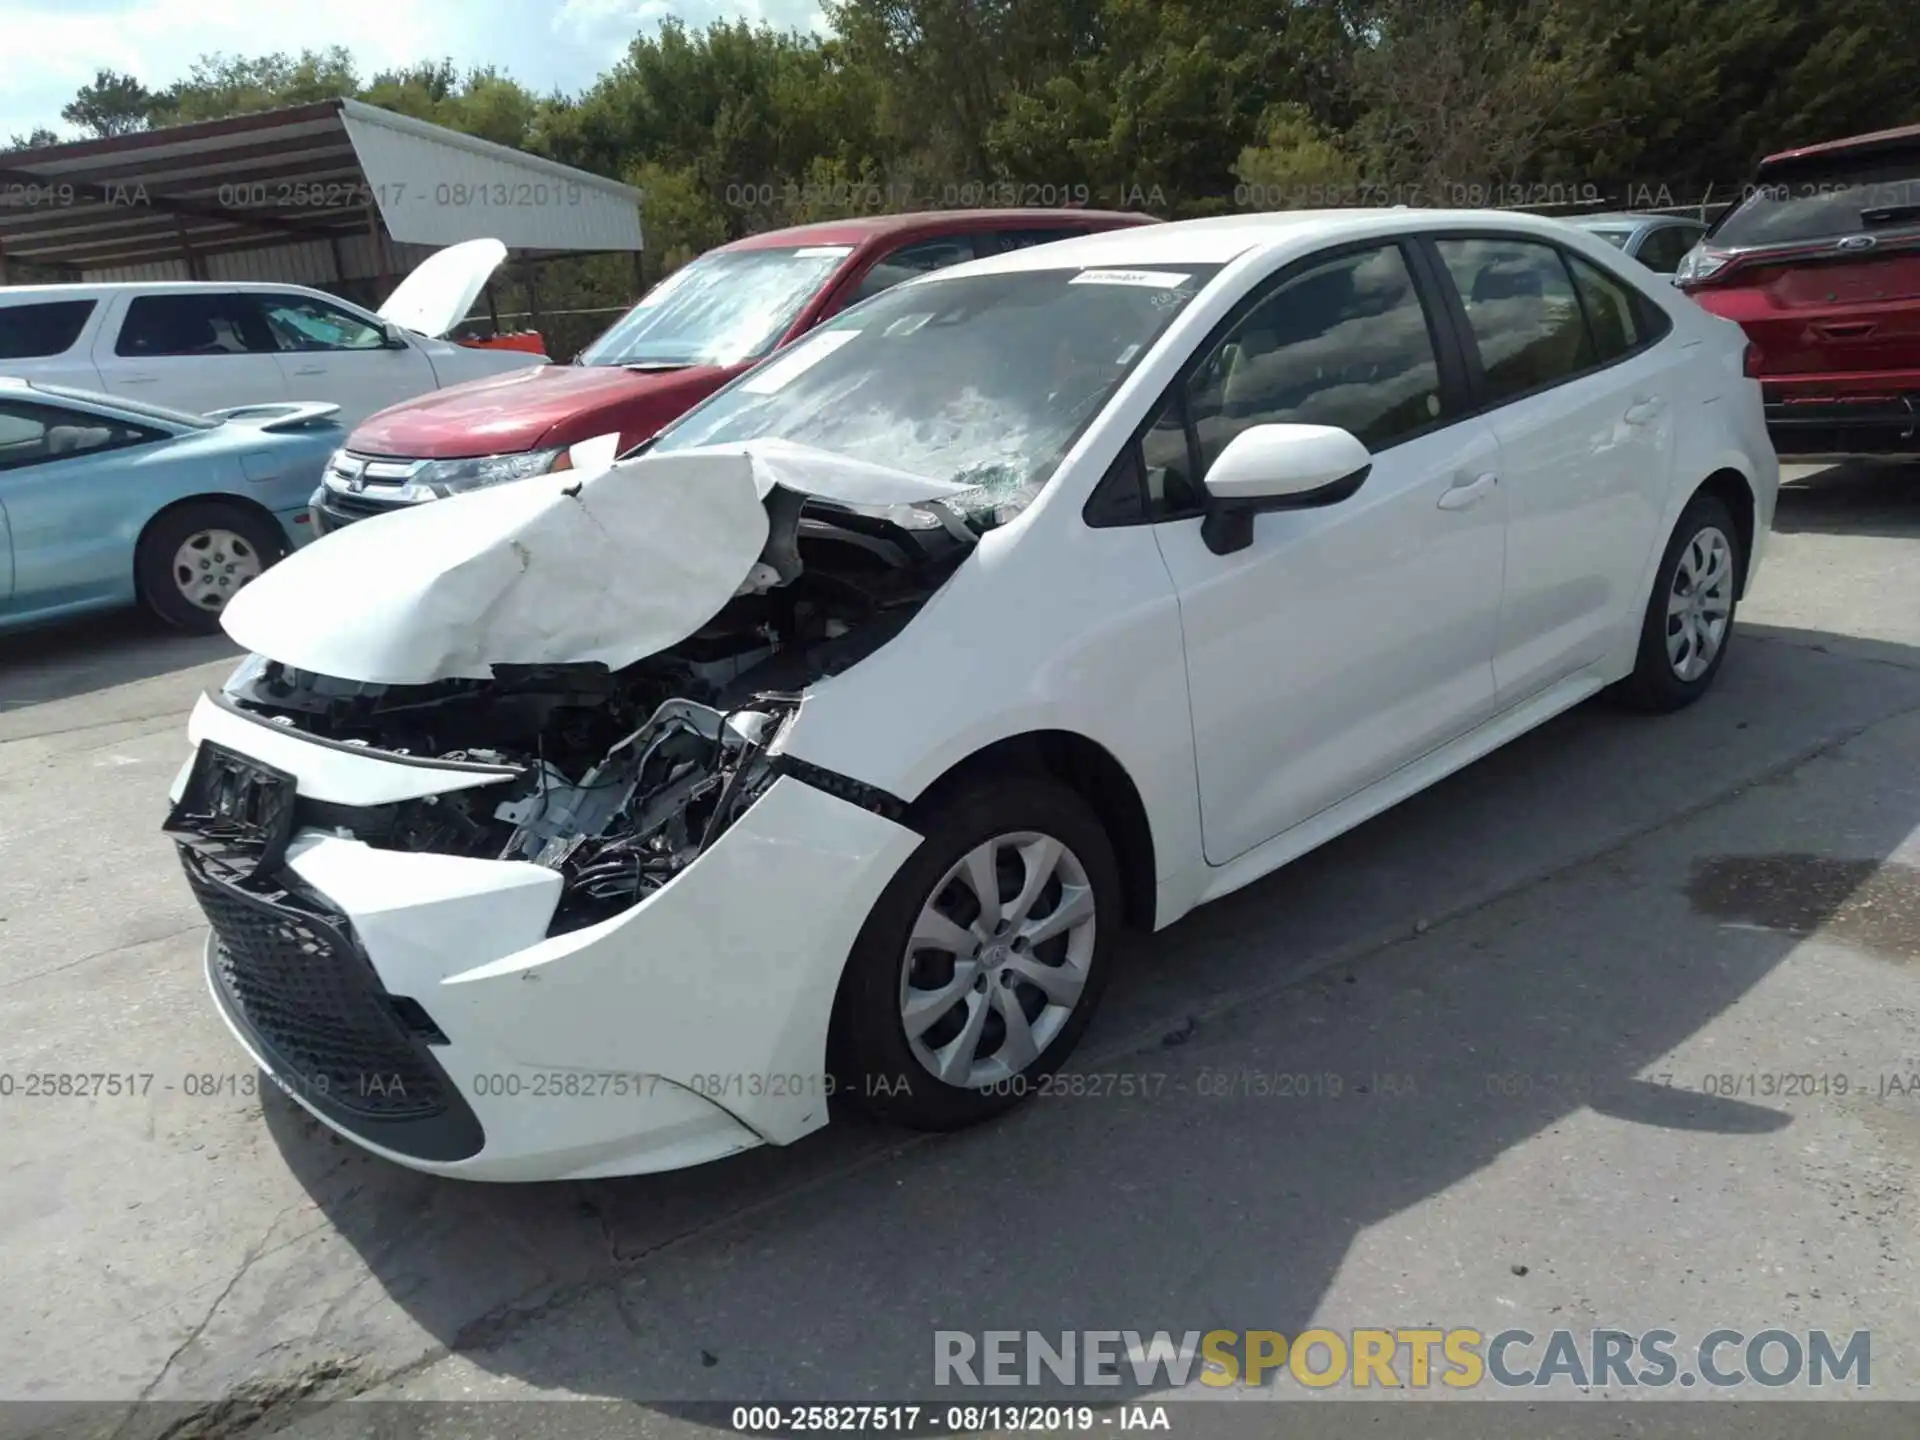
x,y
697,329
1820,265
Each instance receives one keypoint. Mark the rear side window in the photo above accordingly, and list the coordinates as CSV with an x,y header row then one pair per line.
x,y
1849,200
1524,314
213,324
36,434
1611,314
49,327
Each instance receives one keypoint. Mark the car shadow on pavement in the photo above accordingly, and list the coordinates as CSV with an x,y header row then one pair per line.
x,y
1867,498
1312,1056
77,657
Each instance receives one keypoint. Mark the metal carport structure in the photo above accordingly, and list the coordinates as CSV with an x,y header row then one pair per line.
x,y
338,194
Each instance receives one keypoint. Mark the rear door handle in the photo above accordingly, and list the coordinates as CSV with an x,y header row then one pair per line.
x,y
311,370
1459,496
1641,411
137,379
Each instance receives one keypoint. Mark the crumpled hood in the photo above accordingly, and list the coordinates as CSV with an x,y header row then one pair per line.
x,y
607,565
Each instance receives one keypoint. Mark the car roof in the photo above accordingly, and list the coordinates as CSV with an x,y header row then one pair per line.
x,y
865,229
1628,217
81,289
1219,239
73,396
1874,142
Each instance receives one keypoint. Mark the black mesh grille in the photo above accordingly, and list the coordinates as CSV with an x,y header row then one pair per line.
x,y
349,506
313,1002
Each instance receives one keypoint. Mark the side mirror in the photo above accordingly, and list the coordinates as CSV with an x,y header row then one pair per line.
x,y
1278,467
396,337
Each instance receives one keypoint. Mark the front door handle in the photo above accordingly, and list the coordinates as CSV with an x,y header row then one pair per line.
x,y
311,370
138,379
1472,492
1641,411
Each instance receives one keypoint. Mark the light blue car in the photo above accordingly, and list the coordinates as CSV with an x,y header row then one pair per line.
x,y
106,502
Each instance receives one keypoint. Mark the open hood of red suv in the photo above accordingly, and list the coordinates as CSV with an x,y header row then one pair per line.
x,y
535,408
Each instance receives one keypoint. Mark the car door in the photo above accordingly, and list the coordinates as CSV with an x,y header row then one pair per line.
x,y
195,350
67,506
327,352
1345,641
1568,369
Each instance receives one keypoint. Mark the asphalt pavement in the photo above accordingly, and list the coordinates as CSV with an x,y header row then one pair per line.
x,y
1534,1023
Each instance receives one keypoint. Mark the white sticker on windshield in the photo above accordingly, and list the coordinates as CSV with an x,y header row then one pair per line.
x,y
816,252
1153,279
778,374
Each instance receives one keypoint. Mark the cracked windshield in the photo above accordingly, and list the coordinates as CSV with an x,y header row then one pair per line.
x,y
721,309
983,380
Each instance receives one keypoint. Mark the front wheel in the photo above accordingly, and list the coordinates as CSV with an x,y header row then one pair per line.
x,y
1689,618
981,964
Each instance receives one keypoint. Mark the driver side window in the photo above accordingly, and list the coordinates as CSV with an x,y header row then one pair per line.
x,y
300,322
1344,342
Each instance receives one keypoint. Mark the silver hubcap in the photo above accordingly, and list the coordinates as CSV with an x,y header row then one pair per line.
x,y
211,564
997,959
1700,604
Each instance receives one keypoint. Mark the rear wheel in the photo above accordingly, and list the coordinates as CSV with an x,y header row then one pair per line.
x,y
192,560
982,962
1689,618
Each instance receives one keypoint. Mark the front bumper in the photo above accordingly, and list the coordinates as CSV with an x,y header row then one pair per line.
x,y
415,1003
332,510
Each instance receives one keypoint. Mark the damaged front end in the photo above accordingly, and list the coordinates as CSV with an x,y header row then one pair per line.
x,y
621,775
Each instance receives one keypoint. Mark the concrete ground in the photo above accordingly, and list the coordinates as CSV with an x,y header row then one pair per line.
x,y
1522,981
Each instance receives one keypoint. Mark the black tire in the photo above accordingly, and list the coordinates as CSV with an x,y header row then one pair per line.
x,y
1655,685
153,558
873,1062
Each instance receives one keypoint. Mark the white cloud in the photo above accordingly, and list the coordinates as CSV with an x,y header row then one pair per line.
x,y
53,47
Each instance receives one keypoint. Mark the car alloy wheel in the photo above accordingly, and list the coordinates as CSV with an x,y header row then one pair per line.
x,y
211,565
998,959
1699,603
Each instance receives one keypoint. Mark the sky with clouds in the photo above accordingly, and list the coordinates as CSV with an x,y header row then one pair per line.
x,y
53,47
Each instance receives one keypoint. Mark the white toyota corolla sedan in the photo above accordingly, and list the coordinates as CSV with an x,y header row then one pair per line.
x,y
615,820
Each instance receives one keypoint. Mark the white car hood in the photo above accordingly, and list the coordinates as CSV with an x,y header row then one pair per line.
x,y
442,288
578,566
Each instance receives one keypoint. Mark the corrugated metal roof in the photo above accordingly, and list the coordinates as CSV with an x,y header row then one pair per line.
x,y
435,187
316,173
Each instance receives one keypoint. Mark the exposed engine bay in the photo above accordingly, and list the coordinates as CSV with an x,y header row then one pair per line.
x,y
625,775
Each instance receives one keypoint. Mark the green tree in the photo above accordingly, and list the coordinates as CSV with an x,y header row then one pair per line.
x,y
1298,164
40,135
221,85
111,104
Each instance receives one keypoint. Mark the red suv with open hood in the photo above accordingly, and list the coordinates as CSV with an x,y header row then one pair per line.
x,y
1820,265
698,328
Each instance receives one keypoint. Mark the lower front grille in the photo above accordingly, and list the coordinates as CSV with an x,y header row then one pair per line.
x,y
300,987
349,506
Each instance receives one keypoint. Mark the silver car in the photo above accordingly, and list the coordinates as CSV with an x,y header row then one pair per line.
x,y
1656,241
